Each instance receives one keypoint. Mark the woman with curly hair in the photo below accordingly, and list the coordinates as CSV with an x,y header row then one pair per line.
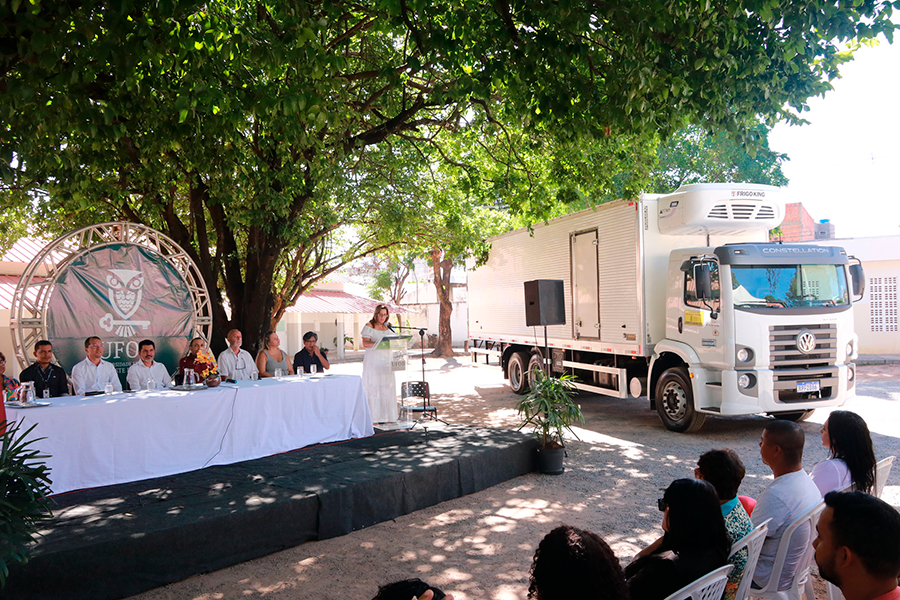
x,y
574,563
695,542
852,460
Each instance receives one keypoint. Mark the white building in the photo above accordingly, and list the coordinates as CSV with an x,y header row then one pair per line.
x,y
876,315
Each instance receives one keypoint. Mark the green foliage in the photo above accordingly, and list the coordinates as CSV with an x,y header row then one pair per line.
x,y
549,408
23,495
695,156
254,134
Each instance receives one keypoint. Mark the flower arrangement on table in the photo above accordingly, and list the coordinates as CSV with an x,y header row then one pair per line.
x,y
208,363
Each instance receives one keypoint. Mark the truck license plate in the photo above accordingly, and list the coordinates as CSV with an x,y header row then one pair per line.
x,y
807,386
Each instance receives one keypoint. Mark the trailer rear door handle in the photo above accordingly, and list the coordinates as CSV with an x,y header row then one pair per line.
x,y
680,324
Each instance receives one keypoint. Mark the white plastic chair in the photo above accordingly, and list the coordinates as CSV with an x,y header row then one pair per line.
x,y
709,587
882,470
801,584
753,542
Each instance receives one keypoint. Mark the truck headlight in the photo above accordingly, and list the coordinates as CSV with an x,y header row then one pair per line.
x,y
745,380
851,373
849,349
744,354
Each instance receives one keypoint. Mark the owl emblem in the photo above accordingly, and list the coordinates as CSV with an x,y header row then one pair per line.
x,y
125,291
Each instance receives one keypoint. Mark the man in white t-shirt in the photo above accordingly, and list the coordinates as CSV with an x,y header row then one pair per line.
x,y
789,497
93,373
141,373
235,363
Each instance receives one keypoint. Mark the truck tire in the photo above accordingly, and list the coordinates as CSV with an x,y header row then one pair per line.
x,y
534,364
517,370
675,402
796,416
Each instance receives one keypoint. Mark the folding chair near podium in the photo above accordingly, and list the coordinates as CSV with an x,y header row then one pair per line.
x,y
418,390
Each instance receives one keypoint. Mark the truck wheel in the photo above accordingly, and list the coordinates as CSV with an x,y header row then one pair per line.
x,y
675,402
795,416
534,364
518,372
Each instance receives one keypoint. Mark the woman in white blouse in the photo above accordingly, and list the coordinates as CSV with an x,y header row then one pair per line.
x,y
852,460
378,378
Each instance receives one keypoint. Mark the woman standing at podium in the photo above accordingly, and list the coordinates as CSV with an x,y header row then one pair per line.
x,y
378,379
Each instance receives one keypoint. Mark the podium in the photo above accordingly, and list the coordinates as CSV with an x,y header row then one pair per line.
x,y
398,345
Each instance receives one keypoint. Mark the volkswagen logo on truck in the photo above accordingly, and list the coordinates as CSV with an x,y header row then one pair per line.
x,y
806,341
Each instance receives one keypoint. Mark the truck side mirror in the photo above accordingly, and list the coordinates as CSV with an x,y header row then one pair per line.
x,y
857,280
702,281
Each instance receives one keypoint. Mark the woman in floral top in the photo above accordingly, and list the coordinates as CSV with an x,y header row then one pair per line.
x,y
724,469
8,385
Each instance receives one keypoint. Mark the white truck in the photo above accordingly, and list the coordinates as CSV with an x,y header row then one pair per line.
x,y
679,297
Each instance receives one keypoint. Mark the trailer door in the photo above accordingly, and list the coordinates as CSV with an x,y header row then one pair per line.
x,y
585,284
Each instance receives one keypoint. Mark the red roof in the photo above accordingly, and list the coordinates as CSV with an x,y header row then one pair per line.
x,y
8,285
24,250
325,301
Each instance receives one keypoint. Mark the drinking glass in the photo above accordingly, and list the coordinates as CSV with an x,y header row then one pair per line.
x,y
278,372
108,388
151,384
312,369
254,376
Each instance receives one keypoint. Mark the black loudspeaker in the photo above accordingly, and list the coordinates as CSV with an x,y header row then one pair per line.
x,y
544,302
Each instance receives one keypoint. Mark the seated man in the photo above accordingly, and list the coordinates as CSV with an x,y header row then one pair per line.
x,y
792,494
141,373
93,373
310,355
858,546
235,363
49,379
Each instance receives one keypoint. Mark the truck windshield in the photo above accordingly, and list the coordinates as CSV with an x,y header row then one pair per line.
x,y
788,286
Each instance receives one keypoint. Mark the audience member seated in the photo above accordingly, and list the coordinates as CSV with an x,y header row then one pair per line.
x,y
695,542
410,589
234,363
858,546
788,498
846,436
199,359
311,355
147,374
573,563
93,373
8,385
271,357
725,471
49,379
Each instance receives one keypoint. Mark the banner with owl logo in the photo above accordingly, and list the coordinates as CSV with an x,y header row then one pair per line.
x,y
121,293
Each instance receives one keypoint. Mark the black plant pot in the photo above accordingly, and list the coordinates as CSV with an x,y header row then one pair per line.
x,y
550,460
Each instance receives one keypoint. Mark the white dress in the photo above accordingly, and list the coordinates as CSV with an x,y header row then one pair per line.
x,y
378,379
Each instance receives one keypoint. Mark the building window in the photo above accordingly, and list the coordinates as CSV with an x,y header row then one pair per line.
x,y
883,304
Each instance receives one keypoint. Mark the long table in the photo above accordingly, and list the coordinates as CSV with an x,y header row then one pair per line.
x,y
123,437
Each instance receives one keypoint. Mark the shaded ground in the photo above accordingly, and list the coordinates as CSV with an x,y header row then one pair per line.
x,y
480,546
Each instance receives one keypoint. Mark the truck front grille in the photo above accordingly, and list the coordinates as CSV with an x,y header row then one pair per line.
x,y
791,366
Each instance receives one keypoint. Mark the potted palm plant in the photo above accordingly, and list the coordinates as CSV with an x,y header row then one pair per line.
x,y
550,409
23,495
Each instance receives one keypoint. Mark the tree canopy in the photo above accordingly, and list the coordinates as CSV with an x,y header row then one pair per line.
x,y
254,133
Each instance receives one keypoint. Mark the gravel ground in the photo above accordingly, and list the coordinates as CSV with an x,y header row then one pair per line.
x,y
480,546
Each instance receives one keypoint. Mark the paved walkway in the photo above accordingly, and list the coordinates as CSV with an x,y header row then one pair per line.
x,y
878,359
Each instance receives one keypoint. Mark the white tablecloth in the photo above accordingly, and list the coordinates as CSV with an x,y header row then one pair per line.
x,y
122,437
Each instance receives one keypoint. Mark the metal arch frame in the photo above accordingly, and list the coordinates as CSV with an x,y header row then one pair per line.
x,y
28,313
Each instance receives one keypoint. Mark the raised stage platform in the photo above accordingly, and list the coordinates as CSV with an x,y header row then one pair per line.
x,y
116,541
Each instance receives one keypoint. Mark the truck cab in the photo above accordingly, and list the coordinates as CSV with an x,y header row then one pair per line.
x,y
756,327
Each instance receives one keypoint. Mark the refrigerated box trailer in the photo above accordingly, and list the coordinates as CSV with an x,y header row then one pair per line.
x,y
679,297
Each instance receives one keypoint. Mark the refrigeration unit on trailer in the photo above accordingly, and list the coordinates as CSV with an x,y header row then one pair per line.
x,y
679,297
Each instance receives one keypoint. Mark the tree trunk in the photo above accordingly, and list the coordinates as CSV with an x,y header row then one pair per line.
x,y
441,268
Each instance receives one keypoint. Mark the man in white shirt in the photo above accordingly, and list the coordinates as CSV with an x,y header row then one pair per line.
x,y
791,495
235,363
141,373
93,373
